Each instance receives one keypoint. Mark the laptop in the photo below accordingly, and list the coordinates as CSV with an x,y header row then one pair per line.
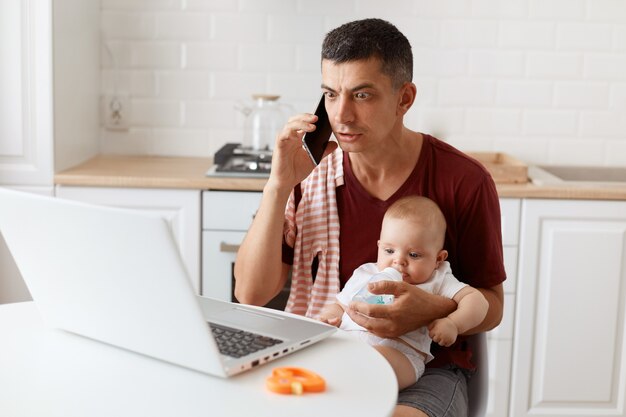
x,y
115,276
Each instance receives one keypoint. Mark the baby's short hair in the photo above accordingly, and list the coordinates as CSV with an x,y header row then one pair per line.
x,y
421,210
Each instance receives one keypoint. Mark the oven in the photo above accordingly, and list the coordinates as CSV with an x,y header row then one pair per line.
x,y
226,216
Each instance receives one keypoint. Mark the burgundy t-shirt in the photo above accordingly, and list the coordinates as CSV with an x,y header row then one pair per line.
x,y
467,196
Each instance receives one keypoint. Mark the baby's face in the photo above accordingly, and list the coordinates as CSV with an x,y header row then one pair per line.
x,y
409,248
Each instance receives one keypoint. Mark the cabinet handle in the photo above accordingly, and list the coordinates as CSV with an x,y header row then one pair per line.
x,y
227,247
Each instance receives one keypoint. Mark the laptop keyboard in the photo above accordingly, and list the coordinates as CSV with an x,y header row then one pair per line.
x,y
237,343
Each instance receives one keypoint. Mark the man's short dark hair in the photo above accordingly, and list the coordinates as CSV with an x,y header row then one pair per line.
x,y
368,38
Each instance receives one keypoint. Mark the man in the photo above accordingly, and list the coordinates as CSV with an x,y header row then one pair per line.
x,y
367,68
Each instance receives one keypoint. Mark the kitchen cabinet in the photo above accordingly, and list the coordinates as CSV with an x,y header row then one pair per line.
x,y
500,339
180,207
569,348
226,217
49,117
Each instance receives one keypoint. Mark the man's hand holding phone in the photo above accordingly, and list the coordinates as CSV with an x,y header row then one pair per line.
x,y
291,163
315,142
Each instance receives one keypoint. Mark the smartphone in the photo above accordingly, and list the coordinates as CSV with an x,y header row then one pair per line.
x,y
315,142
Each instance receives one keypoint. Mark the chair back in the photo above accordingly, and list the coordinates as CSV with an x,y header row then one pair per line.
x,y
478,386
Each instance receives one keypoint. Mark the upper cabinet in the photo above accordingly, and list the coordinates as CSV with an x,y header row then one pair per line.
x,y
49,100
50,81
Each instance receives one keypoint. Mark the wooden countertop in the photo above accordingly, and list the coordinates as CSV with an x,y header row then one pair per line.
x,y
152,172
189,173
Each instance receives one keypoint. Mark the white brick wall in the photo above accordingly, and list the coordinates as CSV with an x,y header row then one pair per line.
x,y
544,80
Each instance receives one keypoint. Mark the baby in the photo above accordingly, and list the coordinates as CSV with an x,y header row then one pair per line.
x,y
411,241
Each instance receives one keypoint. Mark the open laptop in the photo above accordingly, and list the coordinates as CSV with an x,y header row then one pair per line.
x,y
116,276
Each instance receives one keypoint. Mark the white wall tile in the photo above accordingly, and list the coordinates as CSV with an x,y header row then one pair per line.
x,y
466,91
554,65
292,86
427,90
525,93
544,80
268,6
152,112
503,9
419,32
584,36
610,123
322,6
136,141
576,152
210,56
181,142
372,7
115,54
527,34
298,28
141,5
225,85
204,114
308,58
211,5
557,9
469,33
238,27
618,96
183,84
615,154
279,57
497,63
494,121
605,66
581,94
550,122
135,83
128,25
440,62
442,122
619,37
603,10
442,8
183,25
155,55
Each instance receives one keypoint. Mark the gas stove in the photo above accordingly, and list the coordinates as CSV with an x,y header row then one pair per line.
x,y
234,160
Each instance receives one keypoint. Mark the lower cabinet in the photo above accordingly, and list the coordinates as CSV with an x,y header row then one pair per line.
x,y
500,339
181,208
569,351
12,286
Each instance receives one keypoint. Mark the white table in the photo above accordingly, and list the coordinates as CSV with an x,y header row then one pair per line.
x,y
52,373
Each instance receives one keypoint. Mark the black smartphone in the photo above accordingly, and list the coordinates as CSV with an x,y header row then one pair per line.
x,y
315,142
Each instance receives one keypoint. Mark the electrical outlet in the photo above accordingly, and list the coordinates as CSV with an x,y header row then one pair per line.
x,y
116,111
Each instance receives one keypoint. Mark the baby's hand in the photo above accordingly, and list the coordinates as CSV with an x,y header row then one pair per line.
x,y
443,331
333,321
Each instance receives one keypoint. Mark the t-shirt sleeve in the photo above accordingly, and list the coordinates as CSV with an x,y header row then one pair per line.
x,y
480,260
449,284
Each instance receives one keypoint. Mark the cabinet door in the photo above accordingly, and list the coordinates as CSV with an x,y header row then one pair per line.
x,y
181,208
26,130
569,342
500,339
12,286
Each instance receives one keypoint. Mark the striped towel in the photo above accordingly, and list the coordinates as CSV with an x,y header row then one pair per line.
x,y
313,230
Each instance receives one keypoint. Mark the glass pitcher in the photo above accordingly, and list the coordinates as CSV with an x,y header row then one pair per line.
x,y
264,120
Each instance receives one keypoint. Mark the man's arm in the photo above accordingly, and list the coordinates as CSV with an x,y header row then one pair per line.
x,y
414,308
259,271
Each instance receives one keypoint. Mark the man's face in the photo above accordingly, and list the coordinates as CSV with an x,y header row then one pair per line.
x,y
362,105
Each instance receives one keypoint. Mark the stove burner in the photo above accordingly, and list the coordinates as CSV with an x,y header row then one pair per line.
x,y
233,159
